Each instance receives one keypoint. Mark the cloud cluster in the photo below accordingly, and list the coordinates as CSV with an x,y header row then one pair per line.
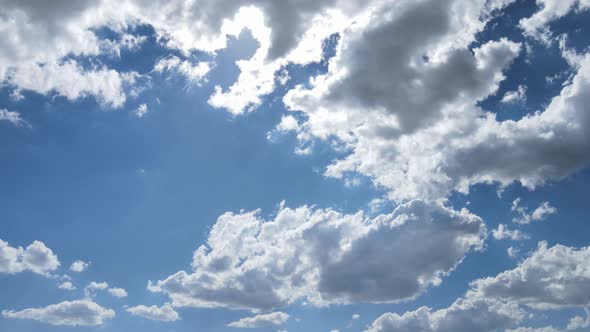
x,y
74,313
92,287
324,257
36,258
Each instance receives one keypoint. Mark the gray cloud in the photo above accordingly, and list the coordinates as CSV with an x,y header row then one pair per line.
x,y
324,257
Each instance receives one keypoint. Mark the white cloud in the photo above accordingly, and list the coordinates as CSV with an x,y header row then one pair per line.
x,y
465,315
512,252
36,258
525,217
193,73
503,232
577,322
13,117
117,292
94,286
265,320
516,96
551,278
550,10
356,316
79,266
141,110
67,285
324,257
164,313
74,313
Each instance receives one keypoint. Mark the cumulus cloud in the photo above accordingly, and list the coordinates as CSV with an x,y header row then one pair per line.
x,y
265,320
117,292
79,266
551,278
531,329
36,258
164,313
526,217
74,313
324,257
503,232
465,315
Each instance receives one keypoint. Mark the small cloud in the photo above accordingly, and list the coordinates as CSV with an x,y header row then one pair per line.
x,y
67,286
164,313
141,110
513,252
503,232
356,316
14,118
272,319
516,96
79,266
75,313
526,217
118,292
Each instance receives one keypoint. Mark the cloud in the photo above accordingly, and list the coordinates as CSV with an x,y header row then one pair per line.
x,y
265,320
356,316
503,232
36,258
324,257
195,74
117,292
164,313
67,285
13,117
550,10
141,110
525,217
74,313
551,278
530,329
94,286
79,266
577,322
516,96
464,315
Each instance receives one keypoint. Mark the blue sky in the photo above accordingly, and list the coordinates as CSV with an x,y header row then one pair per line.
x,y
397,149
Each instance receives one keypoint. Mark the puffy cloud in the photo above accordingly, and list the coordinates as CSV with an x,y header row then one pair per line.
x,y
464,315
503,232
516,96
164,313
324,257
13,117
79,266
74,313
67,285
577,322
265,320
356,316
36,258
525,217
117,292
551,278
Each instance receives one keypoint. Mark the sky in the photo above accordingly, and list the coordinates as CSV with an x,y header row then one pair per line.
x,y
325,165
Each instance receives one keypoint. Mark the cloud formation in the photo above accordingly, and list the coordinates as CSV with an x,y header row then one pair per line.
x,y
324,257
265,320
164,313
68,313
36,258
